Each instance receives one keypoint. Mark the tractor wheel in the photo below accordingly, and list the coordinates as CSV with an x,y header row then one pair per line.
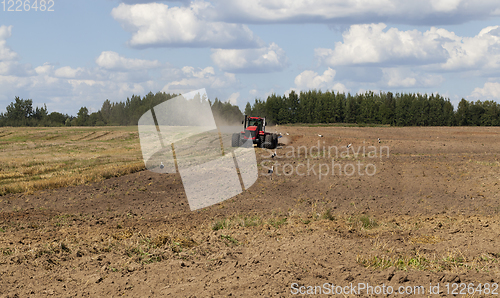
x,y
275,141
261,142
235,141
268,143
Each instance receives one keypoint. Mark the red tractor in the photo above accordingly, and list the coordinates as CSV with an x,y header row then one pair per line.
x,y
255,130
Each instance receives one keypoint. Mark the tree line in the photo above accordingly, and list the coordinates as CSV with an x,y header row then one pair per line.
x,y
400,109
21,112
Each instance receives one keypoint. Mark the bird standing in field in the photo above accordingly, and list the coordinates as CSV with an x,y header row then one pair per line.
x,y
379,140
273,155
320,136
161,165
271,170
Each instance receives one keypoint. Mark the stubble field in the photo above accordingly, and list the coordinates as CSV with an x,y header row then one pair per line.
x,y
79,217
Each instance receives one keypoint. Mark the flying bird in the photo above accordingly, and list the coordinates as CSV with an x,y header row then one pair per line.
x,y
287,134
379,140
273,155
320,136
349,146
270,171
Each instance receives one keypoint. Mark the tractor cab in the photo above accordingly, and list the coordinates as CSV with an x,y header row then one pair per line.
x,y
255,124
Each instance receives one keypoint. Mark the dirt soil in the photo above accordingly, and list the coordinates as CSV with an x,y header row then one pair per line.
x,y
428,215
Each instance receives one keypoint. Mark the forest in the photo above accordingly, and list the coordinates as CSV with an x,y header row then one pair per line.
x,y
400,109
21,112
313,106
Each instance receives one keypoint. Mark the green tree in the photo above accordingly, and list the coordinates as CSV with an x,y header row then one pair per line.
x,y
82,117
248,109
56,119
463,114
19,111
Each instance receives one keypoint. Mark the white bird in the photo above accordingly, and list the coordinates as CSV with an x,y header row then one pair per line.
x,y
271,170
349,146
161,165
379,140
320,136
287,134
273,155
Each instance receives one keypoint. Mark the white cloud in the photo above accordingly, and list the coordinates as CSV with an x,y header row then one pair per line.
x,y
445,5
436,48
340,88
6,54
233,98
66,89
113,61
44,69
15,68
68,72
490,90
370,44
266,59
424,12
311,80
200,73
480,51
403,77
190,78
156,25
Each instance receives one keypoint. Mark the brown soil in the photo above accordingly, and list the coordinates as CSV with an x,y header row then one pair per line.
x,y
429,215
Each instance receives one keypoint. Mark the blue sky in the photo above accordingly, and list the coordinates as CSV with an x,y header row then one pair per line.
x,y
84,52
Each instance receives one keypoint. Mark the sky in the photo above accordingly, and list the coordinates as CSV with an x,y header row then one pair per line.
x,y
73,53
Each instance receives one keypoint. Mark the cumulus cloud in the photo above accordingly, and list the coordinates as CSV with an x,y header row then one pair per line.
x,y
370,44
114,77
6,54
490,90
424,12
266,59
480,51
156,25
44,69
113,61
233,98
68,72
339,87
190,78
311,80
403,77
437,48
15,68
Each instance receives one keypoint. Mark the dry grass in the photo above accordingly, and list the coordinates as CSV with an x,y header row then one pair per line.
x,y
454,262
43,158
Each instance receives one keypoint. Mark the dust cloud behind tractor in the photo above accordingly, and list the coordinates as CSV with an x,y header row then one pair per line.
x,y
181,135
